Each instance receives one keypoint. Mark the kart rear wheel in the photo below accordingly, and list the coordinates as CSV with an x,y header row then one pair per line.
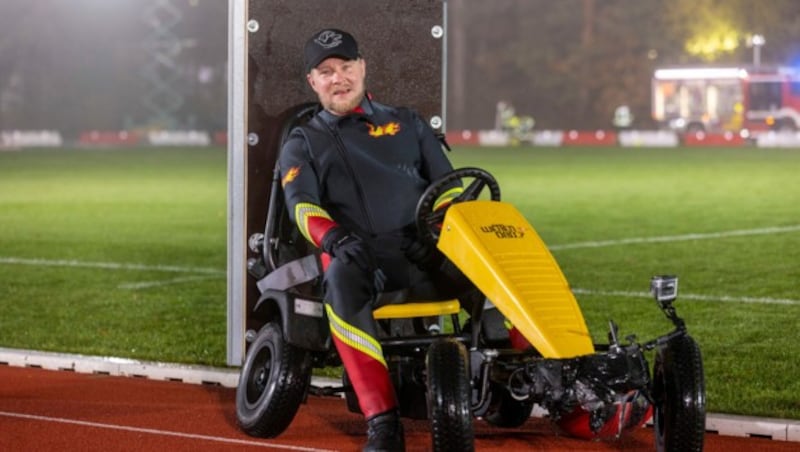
x,y
272,383
506,411
679,418
449,397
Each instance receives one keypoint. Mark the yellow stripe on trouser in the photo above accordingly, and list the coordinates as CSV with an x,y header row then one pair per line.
x,y
354,337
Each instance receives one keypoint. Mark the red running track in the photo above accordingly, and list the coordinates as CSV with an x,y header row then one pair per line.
x,y
43,410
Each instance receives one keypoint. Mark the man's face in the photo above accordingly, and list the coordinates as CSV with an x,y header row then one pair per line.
x,y
339,84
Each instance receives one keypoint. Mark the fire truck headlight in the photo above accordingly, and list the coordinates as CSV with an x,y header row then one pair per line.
x,y
677,124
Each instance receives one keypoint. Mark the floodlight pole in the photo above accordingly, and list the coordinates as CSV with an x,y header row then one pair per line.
x,y
757,41
162,73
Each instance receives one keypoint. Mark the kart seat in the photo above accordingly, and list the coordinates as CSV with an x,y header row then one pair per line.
x,y
417,309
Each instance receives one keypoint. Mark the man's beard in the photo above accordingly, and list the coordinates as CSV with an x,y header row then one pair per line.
x,y
344,107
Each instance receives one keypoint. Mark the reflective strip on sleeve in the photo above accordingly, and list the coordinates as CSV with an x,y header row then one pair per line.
x,y
303,213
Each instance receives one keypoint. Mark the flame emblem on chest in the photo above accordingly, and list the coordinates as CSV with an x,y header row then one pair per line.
x,y
390,129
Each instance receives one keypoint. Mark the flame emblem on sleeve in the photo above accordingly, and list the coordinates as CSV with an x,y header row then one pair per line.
x,y
391,128
290,175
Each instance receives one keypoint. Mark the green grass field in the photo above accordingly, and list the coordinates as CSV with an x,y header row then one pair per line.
x,y
122,253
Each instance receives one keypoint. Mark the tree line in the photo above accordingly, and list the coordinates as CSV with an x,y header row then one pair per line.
x,y
73,65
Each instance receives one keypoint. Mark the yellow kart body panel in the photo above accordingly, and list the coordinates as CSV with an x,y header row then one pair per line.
x,y
500,252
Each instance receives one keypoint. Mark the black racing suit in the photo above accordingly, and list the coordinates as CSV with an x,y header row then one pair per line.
x,y
364,172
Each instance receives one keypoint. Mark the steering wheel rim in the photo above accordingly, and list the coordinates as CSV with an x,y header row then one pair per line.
x,y
426,219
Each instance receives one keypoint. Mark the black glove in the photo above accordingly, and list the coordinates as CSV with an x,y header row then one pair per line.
x,y
348,248
423,254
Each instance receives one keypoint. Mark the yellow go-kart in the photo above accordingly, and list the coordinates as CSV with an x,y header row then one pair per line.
x,y
471,367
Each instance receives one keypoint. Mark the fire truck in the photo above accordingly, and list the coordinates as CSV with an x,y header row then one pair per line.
x,y
742,100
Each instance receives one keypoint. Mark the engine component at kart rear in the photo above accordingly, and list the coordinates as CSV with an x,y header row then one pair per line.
x,y
605,374
545,380
607,422
620,369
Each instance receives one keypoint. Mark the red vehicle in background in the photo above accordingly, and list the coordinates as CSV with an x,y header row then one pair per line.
x,y
746,101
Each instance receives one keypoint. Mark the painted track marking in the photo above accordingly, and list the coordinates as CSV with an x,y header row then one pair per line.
x,y
152,431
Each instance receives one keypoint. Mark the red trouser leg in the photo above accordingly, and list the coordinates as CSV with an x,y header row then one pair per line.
x,y
362,357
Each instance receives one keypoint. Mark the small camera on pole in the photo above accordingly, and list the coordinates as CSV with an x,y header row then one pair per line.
x,y
664,289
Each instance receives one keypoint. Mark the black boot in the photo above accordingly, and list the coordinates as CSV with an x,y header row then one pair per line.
x,y
385,433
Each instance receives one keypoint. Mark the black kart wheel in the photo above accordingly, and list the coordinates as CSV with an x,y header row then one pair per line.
x,y
449,407
506,411
428,220
679,418
272,383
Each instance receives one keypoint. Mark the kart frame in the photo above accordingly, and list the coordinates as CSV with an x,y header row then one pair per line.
x,y
469,369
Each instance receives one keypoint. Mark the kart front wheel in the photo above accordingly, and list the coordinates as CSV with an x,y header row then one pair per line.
x,y
679,417
449,407
272,383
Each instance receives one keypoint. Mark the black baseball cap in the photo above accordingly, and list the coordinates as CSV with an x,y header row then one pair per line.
x,y
327,43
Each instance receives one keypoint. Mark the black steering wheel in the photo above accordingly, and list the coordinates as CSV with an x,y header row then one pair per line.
x,y
428,221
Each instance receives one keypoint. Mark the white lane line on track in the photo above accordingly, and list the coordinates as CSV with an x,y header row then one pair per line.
x,y
108,265
722,298
159,432
678,238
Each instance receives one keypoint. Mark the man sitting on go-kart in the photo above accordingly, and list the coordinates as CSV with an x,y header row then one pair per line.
x,y
352,177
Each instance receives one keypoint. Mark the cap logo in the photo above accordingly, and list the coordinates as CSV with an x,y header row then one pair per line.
x,y
329,39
